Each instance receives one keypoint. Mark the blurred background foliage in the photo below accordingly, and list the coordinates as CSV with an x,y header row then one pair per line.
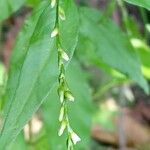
x,y
110,112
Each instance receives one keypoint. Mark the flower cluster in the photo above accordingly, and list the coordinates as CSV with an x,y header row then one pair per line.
x,y
64,92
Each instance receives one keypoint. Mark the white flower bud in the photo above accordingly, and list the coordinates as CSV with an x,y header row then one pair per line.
x,y
62,128
69,96
61,115
65,56
54,32
62,14
62,76
61,94
53,3
75,138
60,63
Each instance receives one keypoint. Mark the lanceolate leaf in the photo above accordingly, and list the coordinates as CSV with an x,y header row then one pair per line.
x,y
19,143
30,59
7,7
33,69
112,46
142,3
80,112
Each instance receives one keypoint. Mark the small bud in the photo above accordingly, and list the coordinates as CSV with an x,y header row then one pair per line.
x,y
69,96
62,76
62,110
53,3
54,33
75,138
62,14
62,128
69,129
65,56
60,63
61,93
62,80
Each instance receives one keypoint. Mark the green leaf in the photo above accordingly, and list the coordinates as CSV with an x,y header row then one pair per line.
x,y
142,3
8,7
80,112
112,46
19,143
33,69
69,28
33,3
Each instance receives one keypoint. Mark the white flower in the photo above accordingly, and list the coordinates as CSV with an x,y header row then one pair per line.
x,y
62,128
53,3
54,33
62,110
75,138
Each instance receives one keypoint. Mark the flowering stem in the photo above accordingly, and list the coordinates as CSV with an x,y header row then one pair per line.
x,y
63,89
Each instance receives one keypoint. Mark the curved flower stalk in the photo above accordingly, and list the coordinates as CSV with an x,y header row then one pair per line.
x,y
64,92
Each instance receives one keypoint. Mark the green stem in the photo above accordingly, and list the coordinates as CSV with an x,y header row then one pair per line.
x,y
57,24
103,89
145,20
0,38
125,17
